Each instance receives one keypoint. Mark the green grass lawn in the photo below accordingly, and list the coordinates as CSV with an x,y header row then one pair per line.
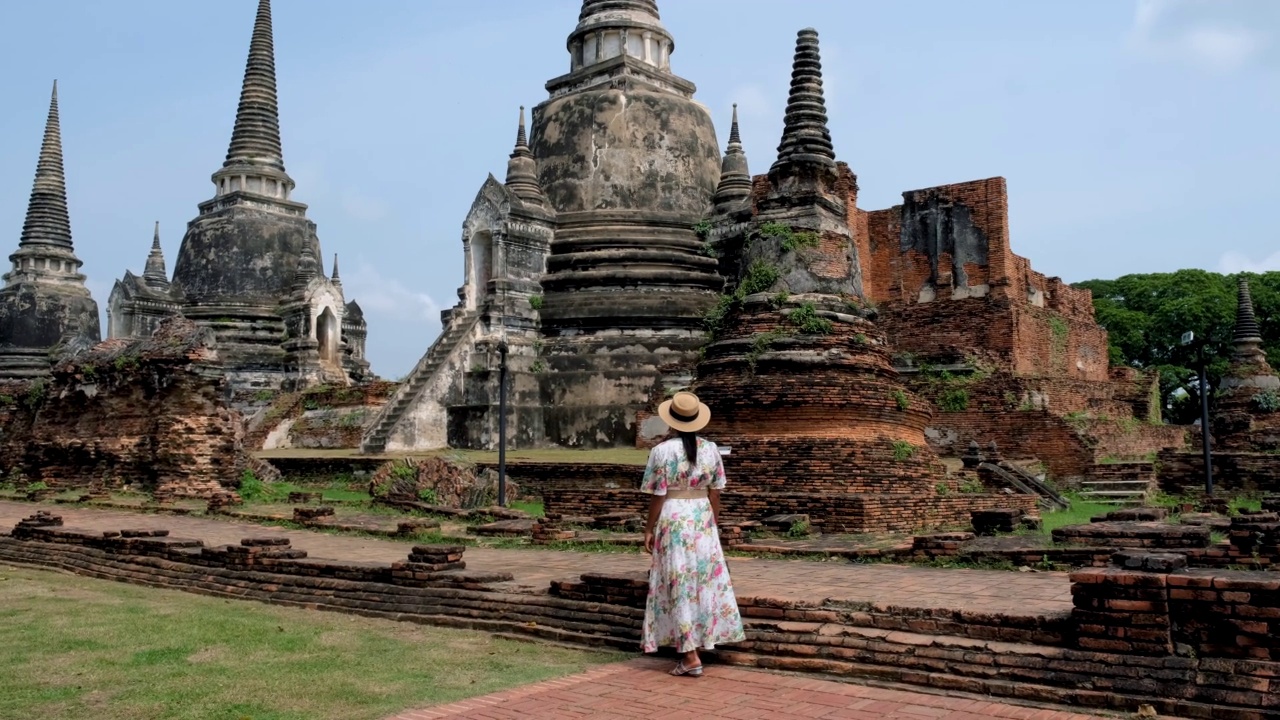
x,y
74,647
1080,512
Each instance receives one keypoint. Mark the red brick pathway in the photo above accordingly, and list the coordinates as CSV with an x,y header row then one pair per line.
x,y
990,591
642,689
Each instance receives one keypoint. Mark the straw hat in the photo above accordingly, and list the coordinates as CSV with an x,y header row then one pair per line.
x,y
684,412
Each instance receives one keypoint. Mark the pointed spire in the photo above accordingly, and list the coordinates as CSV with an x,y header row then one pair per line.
x,y
307,268
1249,370
735,177
335,278
522,137
256,137
1246,330
805,137
522,169
48,222
155,275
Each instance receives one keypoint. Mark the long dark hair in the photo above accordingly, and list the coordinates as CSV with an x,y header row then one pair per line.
x,y
690,442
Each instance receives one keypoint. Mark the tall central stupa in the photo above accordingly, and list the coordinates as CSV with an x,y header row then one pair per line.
x,y
629,163
584,264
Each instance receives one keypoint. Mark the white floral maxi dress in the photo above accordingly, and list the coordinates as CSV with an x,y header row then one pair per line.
x,y
691,603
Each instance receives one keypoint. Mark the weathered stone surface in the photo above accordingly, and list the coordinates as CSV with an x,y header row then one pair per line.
x,y
238,269
438,481
505,528
44,303
1000,520
150,413
1154,535
1142,514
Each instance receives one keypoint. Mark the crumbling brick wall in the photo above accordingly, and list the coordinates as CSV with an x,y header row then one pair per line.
x,y
833,513
1061,422
325,416
950,291
1182,472
153,413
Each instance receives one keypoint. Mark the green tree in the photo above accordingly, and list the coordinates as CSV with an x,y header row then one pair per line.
x,y
1146,315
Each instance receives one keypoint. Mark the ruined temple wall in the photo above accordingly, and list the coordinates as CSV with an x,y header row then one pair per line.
x,y
836,512
152,413
320,417
899,265
1027,340
993,302
1182,473
1066,424
1049,344
1052,293
950,329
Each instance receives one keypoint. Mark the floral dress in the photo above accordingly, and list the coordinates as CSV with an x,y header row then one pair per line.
x,y
691,603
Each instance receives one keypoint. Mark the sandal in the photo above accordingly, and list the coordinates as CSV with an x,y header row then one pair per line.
x,y
680,670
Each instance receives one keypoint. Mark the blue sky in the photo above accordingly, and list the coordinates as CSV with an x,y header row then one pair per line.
x,y
1136,136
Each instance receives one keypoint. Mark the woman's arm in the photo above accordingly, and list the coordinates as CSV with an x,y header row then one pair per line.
x,y
655,510
714,495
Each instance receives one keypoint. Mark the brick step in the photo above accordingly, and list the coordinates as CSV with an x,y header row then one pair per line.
x,y
986,682
1115,497
1134,486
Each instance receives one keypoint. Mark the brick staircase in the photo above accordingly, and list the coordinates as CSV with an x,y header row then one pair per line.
x,y
375,440
1129,483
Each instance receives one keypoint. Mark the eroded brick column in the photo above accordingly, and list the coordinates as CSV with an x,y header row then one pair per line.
x,y
1125,608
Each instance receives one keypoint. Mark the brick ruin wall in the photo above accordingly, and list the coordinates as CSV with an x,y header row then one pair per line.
x,y
150,413
1182,472
950,290
1037,326
1056,421
1192,643
833,513
325,417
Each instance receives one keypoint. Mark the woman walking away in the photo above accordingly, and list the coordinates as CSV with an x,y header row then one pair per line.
x,y
691,603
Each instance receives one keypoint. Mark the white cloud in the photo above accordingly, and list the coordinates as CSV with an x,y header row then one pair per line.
x,y
1234,262
388,296
1175,30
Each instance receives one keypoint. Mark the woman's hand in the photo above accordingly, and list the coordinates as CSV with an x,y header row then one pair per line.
x,y
648,542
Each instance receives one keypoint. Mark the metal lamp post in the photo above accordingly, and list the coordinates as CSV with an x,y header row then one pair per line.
x,y
502,424
1187,339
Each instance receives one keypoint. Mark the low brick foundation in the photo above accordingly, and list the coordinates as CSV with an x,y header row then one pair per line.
x,y
1192,643
1182,473
993,522
835,513
1150,535
1252,541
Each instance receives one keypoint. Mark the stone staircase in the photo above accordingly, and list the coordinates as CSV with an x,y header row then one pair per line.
x,y
375,440
1030,484
1115,492
1130,483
